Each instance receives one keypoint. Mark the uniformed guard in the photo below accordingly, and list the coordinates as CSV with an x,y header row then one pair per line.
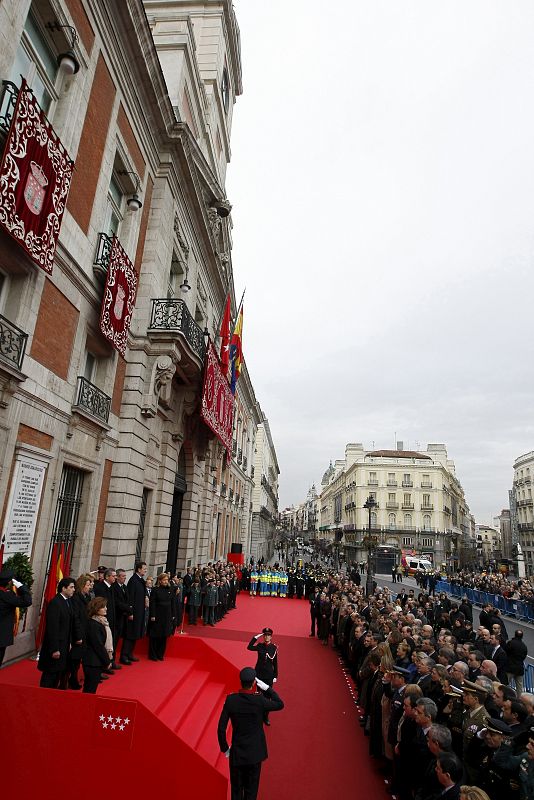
x,y
475,719
283,583
275,581
498,775
253,581
267,655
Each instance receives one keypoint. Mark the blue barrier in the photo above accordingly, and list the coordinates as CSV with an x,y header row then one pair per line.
x,y
519,609
529,678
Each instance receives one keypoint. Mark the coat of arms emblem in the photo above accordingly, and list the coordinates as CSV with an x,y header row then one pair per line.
x,y
35,188
118,308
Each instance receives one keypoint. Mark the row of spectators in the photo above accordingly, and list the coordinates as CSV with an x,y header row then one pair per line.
x,y
441,703
494,583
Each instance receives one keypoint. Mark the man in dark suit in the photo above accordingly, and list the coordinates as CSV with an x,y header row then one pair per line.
x,y
499,658
135,622
106,590
245,710
57,637
9,602
449,772
122,609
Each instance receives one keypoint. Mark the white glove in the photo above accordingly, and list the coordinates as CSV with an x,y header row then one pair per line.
x,y
258,635
227,754
16,584
261,685
274,680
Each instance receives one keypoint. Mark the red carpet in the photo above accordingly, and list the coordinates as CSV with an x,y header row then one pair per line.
x,y
315,744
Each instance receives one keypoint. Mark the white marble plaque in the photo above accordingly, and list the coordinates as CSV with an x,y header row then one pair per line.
x,y
23,506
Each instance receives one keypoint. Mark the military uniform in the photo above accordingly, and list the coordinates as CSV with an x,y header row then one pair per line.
x,y
472,744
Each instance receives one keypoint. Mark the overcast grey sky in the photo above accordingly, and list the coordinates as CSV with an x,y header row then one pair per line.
x,y
382,180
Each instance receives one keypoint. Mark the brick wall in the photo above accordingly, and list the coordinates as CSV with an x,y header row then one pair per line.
x,y
55,330
101,516
81,23
34,438
92,144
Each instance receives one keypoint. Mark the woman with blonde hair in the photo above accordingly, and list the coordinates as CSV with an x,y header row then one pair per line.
x,y
472,793
162,615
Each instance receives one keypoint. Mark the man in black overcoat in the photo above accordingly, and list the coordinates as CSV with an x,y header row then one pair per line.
x,y
9,601
245,710
122,608
106,590
136,618
53,657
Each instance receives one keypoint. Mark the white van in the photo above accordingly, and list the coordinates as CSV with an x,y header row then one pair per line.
x,y
414,564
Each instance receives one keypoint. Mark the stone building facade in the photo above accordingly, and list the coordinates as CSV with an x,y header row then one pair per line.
x,y
112,449
522,508
264,495
421,507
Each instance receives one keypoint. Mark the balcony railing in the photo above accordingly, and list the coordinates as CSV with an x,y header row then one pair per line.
x,y
427,507
93,400
8,101
234,447
372,482
231,495
527,502
252,472
407,484
408,506
223,490
426,484
391,504
103,253
171,315
392,483
239,456
12,343
245,463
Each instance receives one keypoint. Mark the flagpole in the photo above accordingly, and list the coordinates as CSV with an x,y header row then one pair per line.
x,y
240,303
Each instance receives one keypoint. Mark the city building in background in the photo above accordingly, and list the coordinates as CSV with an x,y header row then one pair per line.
x,y
106,456
522,509
264,495
420,506
489,546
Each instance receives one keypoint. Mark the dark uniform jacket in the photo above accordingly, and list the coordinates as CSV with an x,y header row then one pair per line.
x,y
80,619
245,711
9,601
57,635
136,598
267,663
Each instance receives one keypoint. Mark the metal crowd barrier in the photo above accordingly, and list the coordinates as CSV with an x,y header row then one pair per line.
x,y
512,608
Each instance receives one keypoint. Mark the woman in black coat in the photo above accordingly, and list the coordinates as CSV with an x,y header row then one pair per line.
x,y
517,651
79,603
162,615
98,650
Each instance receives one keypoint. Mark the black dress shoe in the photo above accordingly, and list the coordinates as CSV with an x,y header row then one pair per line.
x,y
104,677
75,686
133,658
126,663
115,666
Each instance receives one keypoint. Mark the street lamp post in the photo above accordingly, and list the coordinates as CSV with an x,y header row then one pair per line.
x,y
369,504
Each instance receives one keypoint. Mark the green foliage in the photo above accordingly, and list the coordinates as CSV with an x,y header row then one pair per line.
x,y
20,564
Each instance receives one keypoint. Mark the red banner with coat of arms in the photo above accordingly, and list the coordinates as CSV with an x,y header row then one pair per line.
x,y
119,297
35,178
217,408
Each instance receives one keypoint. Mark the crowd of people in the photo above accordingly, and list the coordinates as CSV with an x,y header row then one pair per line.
x,y
442,703
494,583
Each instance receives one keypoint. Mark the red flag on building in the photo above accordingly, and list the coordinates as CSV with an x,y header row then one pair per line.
x,y
35,177
119,298
225,335
54,576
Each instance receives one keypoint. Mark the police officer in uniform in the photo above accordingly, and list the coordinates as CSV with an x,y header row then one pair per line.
x,y
267,659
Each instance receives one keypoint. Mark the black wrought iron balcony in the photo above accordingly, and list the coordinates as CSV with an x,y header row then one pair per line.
x,y
407,484
245,463
12,343
239,456
102,255
8,101
223,490
231,495
92,400
172,315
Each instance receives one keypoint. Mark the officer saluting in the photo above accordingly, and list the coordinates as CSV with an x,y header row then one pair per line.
x,y
267,655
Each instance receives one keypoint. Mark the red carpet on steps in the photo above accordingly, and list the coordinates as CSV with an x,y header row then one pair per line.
x,y
316,746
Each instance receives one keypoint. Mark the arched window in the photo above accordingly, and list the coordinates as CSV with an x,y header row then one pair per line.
x,y
392,521
373,519
427,522
407,520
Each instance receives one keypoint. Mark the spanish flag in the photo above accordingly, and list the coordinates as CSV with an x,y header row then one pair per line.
x,y
236,350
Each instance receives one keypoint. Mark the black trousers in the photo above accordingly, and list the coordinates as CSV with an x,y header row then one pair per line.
x,y
52,680
156,647
91,679
313,616
245,781
127,648
2,654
